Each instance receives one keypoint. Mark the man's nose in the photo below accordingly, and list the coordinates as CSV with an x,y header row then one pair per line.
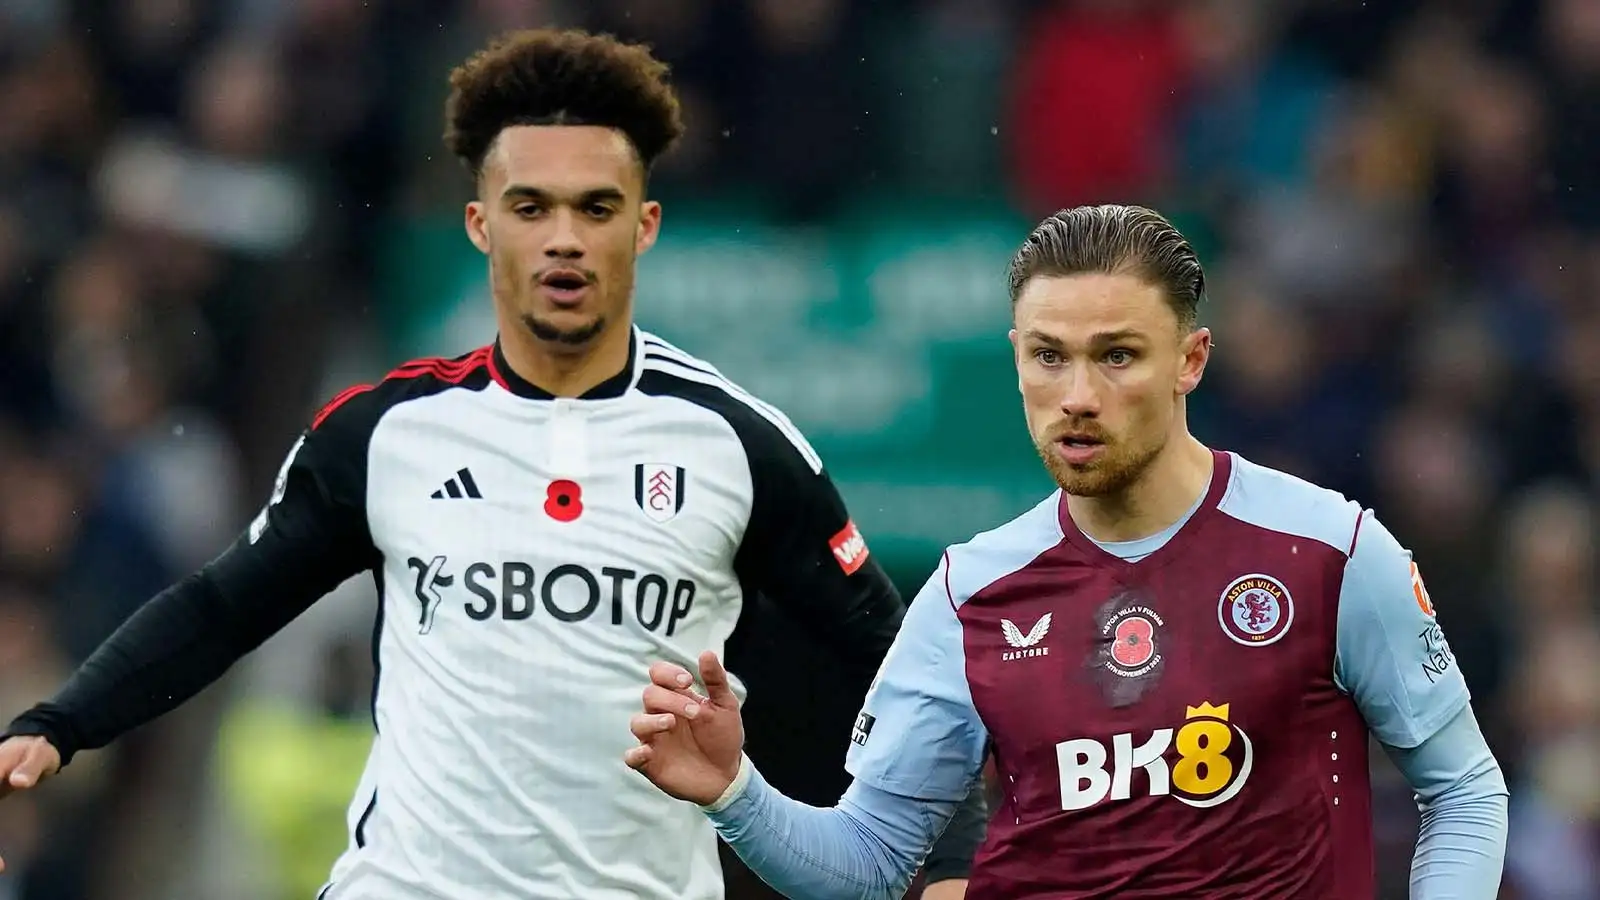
x,y
564,241
1080,396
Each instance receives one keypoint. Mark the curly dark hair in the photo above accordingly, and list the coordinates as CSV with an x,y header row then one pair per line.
x,y
560,77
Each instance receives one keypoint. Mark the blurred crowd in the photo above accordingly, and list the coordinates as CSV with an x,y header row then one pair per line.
x,y
1398,202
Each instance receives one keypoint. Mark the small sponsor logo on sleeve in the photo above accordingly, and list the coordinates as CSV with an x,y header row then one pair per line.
x,y
862,729
1437,657
1420,592
849,548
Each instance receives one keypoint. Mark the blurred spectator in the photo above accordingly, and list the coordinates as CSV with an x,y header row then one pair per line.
x,y
1095,103
1253,103
939,77
1571,32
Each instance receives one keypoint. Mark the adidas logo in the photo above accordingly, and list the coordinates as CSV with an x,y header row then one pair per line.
x,y
460,486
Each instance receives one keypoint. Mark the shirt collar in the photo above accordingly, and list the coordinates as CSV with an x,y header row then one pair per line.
x,y
612,387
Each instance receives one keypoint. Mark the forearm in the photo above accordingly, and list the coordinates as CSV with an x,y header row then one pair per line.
x,y
1462,797
179,642
1461,851
1461,846
868,846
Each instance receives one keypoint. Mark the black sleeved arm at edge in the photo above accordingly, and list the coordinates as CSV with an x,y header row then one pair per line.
x,y
802,550
951,856
309,538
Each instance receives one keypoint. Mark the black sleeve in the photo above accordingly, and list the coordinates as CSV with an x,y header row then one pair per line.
x,y
310,537
803,551
951,856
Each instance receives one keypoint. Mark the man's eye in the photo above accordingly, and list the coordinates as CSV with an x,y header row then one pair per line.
x,y
1047,357
1119,357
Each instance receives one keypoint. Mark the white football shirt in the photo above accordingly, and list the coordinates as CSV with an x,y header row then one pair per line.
x,y
534,555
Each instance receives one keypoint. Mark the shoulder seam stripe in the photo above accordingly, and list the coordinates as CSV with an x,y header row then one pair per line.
x,y
658,350
442,365
1360,517
699,365
657,354
338,400
664,344
773,416
777,419
453,371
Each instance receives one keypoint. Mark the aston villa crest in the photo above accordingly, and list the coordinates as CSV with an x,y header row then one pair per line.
x,y
658,489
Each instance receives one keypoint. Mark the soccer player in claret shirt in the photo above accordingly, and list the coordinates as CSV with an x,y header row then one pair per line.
x,y
1176,659
544,517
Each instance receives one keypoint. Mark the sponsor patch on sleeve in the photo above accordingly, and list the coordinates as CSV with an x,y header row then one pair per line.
x,y
862,729
849,548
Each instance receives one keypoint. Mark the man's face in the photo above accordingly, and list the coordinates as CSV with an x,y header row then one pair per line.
x,y
1102,363
561,216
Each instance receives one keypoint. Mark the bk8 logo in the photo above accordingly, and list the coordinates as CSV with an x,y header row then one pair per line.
x,y
1214,758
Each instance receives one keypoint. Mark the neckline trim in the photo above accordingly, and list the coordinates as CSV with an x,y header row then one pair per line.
x,y
610,389
1221,477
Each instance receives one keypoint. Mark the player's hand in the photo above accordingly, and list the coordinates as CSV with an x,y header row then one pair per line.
x,y
24,762
689,745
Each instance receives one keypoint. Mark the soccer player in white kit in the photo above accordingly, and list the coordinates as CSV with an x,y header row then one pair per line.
x,y
544,516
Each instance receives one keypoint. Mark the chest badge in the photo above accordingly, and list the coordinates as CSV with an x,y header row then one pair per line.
x,y
658,490
1255,610
1132,648
563,500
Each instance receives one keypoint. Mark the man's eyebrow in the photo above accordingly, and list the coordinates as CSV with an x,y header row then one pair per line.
x,y
1113,337
524,192
1040,337
529,192
1102,337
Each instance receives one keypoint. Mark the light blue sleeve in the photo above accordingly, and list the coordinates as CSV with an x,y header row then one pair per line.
x,y
916,751
1461,792
918,734
869,846
1392,657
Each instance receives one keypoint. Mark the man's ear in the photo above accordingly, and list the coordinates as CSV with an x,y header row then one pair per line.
x,y
649,227
477,225
1016,356
1196,350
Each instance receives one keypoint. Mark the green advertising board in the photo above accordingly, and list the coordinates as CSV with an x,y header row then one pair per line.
x,y
881,334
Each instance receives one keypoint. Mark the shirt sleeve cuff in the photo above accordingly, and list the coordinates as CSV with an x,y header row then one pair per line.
x,y
734,790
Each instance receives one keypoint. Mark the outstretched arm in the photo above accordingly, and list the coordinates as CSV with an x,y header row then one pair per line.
x,y
803,550
311,535
916,753
868,846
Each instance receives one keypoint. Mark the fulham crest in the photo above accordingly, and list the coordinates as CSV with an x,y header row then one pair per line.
x,y
658,489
